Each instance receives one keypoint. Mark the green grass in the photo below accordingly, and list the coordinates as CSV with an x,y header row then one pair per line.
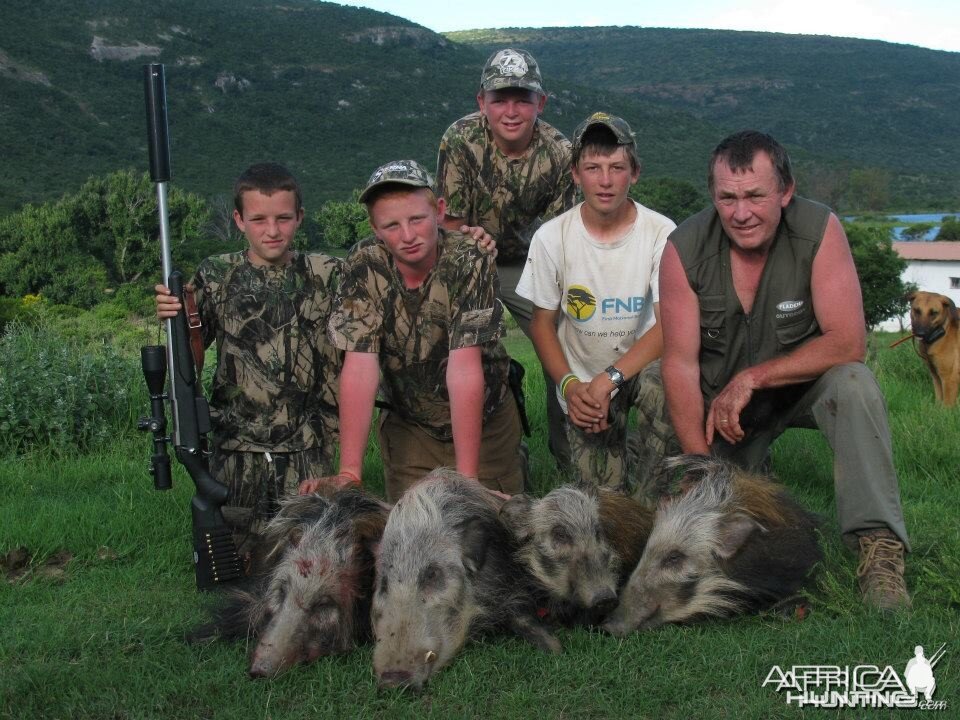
x,y
107,641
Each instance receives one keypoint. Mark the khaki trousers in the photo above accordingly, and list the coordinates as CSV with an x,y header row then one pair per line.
x,y
409,452
846,405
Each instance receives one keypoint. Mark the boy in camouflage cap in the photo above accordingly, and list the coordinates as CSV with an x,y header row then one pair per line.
x,y
592,276
273,400
507,170
418,307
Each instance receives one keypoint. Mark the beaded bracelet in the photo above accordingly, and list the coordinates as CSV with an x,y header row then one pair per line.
x,y
565,381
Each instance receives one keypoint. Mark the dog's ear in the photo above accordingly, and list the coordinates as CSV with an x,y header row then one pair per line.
x,y
910,296
950,308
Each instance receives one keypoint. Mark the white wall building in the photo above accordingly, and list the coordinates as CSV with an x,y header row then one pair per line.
x,y
932,266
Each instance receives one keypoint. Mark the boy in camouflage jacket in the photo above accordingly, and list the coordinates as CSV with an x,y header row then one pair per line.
x,y
507,170
418,306
273,401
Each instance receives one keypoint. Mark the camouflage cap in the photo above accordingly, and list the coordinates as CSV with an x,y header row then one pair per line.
x,y
618,126
509,68
402,172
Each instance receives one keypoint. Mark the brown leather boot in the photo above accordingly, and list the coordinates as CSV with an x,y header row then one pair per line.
x,y
880,572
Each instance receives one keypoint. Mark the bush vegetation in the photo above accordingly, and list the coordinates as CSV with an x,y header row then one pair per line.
x,y
949,229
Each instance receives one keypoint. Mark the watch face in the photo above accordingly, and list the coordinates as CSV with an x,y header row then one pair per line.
x,y
616,377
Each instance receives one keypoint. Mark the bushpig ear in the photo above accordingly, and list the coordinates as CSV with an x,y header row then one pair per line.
x,y
515,514
295,536
734,531
474,539
369,530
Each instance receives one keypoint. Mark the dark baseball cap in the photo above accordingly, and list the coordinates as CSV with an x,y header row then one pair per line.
x,y
402,172
618,126
511,68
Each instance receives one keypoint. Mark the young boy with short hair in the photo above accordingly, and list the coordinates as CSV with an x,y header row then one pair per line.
x,y
508,170
418,317
592,276
273,402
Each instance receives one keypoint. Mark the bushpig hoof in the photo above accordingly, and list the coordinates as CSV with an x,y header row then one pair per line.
x,y
536,634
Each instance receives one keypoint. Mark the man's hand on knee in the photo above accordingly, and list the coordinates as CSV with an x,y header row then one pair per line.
x,y
724,414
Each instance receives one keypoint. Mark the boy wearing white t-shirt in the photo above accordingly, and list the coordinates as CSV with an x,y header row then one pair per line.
x,y
592,275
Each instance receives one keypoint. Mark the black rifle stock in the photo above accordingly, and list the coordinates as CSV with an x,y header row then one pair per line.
x,y
214,554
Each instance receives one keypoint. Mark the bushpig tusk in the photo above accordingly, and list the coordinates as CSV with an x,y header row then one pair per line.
x,y
429,657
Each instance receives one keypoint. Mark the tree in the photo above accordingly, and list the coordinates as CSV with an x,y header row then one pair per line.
x,y
221,226
118,214
949,229
106,234
880,270
869,189
342,223
823,183
677,199
916,231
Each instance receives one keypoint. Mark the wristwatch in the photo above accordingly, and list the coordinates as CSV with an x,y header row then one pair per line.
x,y
616,377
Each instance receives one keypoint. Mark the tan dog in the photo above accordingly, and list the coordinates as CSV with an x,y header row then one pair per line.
x,y
935,321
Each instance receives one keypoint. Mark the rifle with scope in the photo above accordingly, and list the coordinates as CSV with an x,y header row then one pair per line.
x,y
214,553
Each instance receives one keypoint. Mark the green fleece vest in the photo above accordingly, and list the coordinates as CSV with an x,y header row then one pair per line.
x,y
782,315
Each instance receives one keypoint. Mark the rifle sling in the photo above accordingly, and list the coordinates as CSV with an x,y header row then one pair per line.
x,y
196,337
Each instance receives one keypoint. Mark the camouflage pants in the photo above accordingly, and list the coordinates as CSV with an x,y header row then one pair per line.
x,y
629,462
257,481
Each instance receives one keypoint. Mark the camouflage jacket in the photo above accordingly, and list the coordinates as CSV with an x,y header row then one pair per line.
x,y
274,388
510,198
414,330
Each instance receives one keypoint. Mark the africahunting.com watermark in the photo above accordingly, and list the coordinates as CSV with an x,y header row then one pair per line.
x,y
865,686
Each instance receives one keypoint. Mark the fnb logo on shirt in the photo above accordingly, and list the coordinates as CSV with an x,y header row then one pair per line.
x,y
582,304
622,305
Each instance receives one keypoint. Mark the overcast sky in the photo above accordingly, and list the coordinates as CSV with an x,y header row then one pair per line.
x,y
928,23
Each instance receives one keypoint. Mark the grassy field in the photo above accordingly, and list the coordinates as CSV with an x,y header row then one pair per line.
x,y
94,627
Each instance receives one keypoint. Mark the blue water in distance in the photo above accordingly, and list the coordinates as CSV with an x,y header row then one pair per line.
x,y
911,219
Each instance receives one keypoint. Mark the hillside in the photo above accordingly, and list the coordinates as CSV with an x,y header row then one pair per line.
x,y
334,91
323,88
866,104
328,90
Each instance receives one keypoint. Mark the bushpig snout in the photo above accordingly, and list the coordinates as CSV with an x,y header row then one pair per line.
x,y
394,678
603,600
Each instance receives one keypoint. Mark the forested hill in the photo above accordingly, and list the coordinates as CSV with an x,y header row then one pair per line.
x,y
881,107
334,91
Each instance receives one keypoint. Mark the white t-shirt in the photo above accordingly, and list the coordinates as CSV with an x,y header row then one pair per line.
x,y
605,291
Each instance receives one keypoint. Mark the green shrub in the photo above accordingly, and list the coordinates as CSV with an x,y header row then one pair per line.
x,y
949,229
10,309
58,393
135,298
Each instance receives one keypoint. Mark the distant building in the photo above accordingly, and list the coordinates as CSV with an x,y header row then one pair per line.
x,y
931,266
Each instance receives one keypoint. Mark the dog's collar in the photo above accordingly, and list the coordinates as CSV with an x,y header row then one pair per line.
x,y
931,337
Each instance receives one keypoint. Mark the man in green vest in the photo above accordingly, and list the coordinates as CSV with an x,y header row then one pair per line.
x,y
762,316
